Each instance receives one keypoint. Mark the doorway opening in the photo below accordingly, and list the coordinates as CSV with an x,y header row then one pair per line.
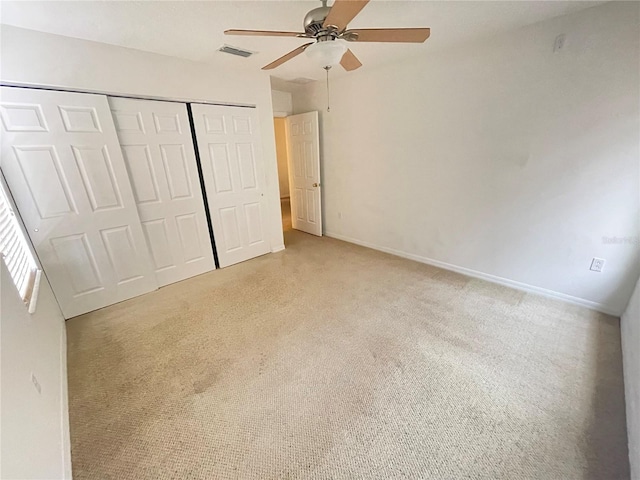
x,y
279,124
298,153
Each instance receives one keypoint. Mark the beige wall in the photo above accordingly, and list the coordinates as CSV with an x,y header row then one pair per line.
x,y
282,103
281,153
501,159
35,424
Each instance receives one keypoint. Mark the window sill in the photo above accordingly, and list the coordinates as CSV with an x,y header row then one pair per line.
x,y
31,298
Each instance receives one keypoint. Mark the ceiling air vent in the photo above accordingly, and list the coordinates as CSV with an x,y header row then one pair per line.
x,y
235,51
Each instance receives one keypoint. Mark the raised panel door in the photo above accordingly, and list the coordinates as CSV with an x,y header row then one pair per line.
x,y
230,151
63,165
304,172
160,157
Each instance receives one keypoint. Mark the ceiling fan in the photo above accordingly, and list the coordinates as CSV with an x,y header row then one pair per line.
x,y
328,27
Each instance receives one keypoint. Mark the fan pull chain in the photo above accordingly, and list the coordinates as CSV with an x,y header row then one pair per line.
x,y
328,106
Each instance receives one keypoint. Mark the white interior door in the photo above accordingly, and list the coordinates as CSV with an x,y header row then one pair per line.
x,y
231,155
63,165
303,144
156,143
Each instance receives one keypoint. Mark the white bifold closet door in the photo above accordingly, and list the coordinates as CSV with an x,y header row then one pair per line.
x,y
231,156
158,150
64,167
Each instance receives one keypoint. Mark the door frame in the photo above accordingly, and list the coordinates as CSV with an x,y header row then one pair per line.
x,y
122,95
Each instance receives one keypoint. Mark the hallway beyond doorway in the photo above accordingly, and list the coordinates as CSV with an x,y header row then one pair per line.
x,y
285,205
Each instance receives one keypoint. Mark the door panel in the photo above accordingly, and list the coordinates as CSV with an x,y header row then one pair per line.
x,y
120,248
254,214
45,180
80,119
158,151
188,230
158,240
76,256
174,161
231,155
62,162
221,169
230,228
304,172
96,171
141,173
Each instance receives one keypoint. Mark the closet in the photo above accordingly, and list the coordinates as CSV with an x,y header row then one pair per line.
x,y
156,143
110,190
229,145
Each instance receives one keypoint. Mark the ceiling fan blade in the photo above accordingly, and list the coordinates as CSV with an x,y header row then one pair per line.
x,y
342,12
350,61
405,35
264,33
287,57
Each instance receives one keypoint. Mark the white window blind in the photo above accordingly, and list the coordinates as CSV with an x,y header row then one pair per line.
x,y
16,252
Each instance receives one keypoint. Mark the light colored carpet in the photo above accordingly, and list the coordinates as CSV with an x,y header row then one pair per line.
x,y
332,361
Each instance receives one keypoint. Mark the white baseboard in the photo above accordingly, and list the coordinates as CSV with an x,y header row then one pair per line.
x,y
600,307
277,248
64,406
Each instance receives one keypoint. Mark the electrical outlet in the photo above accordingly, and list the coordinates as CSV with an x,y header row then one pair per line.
x,y
597,264
36,383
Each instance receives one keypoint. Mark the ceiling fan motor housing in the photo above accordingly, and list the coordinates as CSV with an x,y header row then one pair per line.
x,y
314,20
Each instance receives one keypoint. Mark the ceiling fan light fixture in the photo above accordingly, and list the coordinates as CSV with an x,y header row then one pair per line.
x,y
327,53
328,26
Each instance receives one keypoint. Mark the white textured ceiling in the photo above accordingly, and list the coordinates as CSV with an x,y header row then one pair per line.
x,y
194,30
